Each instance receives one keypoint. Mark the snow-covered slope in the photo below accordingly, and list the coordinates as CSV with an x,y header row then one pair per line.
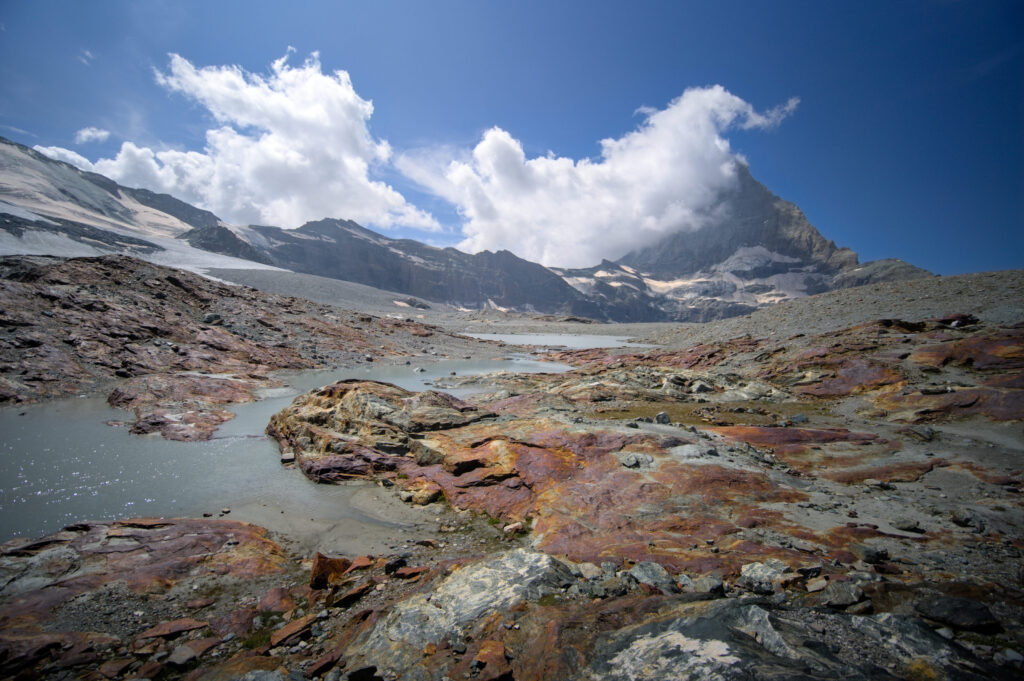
x,y
48,207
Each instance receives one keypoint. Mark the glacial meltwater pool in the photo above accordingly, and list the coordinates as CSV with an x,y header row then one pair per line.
x,y
60,463
554,340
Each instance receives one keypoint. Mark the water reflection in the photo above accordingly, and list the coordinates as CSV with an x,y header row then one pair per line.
x,y
60,463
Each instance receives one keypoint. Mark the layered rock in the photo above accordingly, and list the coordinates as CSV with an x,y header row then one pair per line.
x,y
808,470
104,593
186,345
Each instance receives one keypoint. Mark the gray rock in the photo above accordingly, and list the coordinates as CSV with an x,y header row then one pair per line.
x,y
871,554
662,417
181,655
762,578
263,675
468,594
906,524
635,459
698,387
654,575
711,584
729,640
959,613
841,594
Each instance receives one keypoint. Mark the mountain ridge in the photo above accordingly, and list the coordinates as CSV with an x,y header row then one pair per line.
x,y
761,251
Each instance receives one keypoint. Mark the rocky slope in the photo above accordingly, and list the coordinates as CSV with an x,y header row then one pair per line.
x,y
174,347
345,250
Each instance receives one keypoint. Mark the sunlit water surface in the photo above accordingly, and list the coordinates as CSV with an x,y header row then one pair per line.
x,y
61,463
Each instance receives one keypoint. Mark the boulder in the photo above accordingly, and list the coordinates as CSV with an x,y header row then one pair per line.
x,y
959,613
654,575
495,584
762,578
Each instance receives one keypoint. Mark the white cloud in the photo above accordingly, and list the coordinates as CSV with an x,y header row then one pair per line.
x,y
91,134
667,175
290,146
66,155
86,57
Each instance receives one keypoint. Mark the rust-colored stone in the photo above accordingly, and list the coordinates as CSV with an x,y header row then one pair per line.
x,y
361,563
326,570
351,596
410,572
293,630
276,600
491,663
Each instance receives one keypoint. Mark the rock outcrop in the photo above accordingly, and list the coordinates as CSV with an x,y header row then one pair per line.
x,y
825,474
181,346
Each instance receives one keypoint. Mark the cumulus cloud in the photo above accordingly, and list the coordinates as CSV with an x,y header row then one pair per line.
x,y
290,146
66,155
91,134
667,175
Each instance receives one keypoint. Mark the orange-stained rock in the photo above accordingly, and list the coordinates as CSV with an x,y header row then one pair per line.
x,y
352,595
361,563
410,572
491,663
998,404
1003,350
277,599
326,570
293,630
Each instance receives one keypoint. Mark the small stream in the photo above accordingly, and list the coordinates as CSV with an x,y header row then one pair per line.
x,y
60,463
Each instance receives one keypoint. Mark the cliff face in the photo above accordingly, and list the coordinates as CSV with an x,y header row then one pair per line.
x,y
761,250
344,250
754,218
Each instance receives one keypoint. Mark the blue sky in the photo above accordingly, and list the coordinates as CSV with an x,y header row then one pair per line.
x,y
908,140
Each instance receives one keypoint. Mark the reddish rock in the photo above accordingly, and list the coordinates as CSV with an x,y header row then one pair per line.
x,y
293,630
851,377
410,572
1002,350
172,628
351,596
325,662
491,663
326,570
150,670
277,600
21,650
361,563
237,622
114,668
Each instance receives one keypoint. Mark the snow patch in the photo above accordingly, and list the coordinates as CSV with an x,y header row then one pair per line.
x,y
19,212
